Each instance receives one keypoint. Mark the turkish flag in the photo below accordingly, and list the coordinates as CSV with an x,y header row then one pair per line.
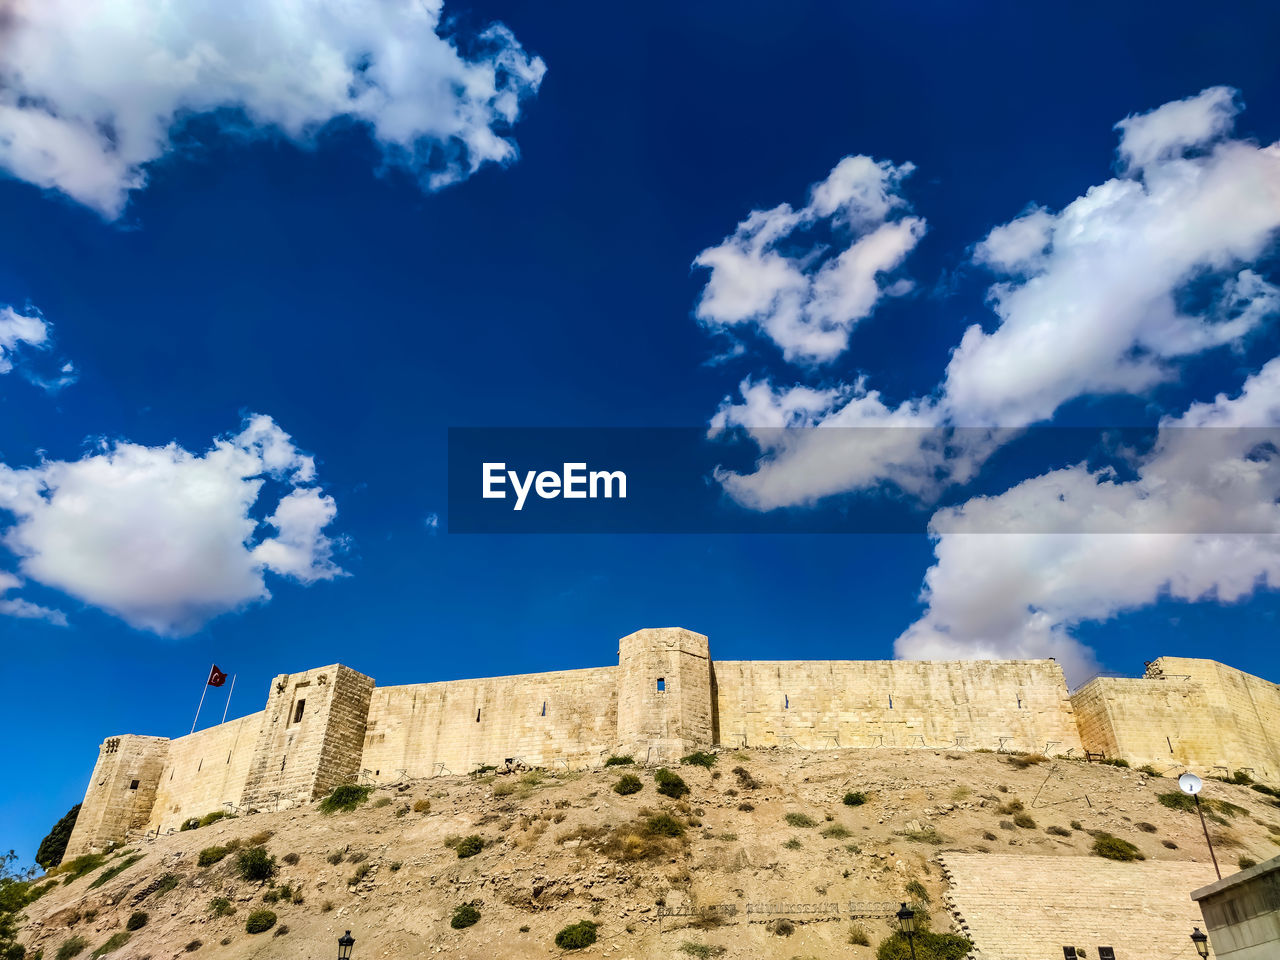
x,y
216,677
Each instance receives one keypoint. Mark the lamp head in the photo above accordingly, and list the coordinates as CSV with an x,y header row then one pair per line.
x,y
1202,943
345,943
907,920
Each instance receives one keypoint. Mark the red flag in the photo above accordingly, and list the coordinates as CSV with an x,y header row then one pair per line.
x,y
216,677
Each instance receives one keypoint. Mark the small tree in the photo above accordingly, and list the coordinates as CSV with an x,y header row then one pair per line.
x,y
54,846
577,935
256,864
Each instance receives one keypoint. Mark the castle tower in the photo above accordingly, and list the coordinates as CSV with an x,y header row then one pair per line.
x,y
665,697
311,737
121,792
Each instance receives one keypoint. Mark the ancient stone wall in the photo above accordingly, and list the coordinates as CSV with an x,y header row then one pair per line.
x,y
991,704
665,705
205,771
1185,713
664,699
1030,907
121,792
311,736
427,729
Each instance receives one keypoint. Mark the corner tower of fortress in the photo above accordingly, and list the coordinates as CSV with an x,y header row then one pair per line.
x,y
664,699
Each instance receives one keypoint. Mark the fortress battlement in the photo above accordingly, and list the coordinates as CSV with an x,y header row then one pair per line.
x,y
665,698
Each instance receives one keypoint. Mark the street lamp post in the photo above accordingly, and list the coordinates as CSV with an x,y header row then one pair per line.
x,y
1201,942
1190,784
345,943
907,923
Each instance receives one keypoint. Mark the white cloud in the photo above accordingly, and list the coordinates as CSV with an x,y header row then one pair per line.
x,y
1198,523
1087,303
1089,299
90,92
25,609
803,295
1170,130
164,538
17,331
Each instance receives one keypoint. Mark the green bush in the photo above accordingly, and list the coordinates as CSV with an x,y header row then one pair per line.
x,y
112,944
855,798
54,846
835,832
193,945
362,871
577,935
1058,831
702,951
336,857
260,921
345,798
1113,848
700,759
1149,770
71,947
800,820
664,825
793,844
670,784
745,780
137,920
928,946
214,816
616,761
256,864
858,936
221,907
469,846
464,916
628,784
211,855
77,868
1246,862
917,892
191,823
114,871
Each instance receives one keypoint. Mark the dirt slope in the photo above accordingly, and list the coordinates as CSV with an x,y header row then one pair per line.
x,y
564,848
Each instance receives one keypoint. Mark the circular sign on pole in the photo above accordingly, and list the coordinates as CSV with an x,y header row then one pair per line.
x,y
1189,783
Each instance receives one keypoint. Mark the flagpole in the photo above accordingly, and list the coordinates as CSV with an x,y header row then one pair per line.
x,y
203,691
229,693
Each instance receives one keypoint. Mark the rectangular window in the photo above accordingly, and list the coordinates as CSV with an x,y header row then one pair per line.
x,y
1069,953
1106,953
477,716
662,685
133,785
297,710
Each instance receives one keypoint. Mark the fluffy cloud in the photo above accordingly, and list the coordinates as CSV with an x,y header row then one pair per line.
x,y
1087,302
17,331
1088,299
90,92
25,609
164,538
1015,572
805,296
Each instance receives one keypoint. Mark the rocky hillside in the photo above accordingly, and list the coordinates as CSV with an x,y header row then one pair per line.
x,y
798,834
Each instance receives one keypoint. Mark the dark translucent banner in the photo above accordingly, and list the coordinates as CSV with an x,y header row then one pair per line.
x,y
1174,480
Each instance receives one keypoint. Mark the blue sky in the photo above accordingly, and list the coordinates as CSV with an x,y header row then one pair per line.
x,y
317,273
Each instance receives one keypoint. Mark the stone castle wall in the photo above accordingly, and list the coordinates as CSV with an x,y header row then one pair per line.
x,y
665,698
1185,713
429,729
980,704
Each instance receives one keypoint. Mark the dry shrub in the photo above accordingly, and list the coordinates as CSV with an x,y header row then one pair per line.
x,y
645,838
1024,760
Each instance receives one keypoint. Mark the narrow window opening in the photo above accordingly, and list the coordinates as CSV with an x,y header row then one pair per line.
x,y
297,710
377,773
477,716
1106,953
544,708
1019,701
200,765
1069,953
1170,743
891,701
133,785
662,685
786,702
